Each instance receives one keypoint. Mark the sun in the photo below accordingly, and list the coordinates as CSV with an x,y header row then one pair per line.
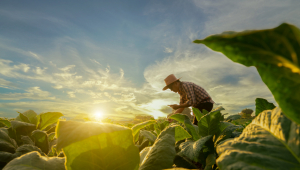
x,y
98,116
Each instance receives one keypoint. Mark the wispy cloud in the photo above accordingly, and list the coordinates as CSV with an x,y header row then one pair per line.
x,y
7,84
20,51
34,93
168,50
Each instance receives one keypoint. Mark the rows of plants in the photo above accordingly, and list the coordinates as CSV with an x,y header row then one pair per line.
x,y
270,141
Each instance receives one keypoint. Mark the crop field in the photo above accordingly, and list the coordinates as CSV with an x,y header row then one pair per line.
x,y
269,140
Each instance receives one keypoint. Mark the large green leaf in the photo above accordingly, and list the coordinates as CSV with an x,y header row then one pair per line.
x,y
271,141
27,140
210,161
22,118
156,128
28,116
41,140
5,122
187,122
276,55
192,149
34,160
32,116
181,133
46,119
6,157
51,136
136,128
262,104
91,145
143,153
197,113
6,143
209,124
162,153
225,134
24,149
22,128
148,135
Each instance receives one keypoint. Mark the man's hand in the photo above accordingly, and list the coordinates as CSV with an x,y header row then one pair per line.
x,y
174,106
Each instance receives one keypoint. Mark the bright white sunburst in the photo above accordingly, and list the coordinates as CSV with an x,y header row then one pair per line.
x,y
98,115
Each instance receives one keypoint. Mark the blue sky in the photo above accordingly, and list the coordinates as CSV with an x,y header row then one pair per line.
x,y
83,57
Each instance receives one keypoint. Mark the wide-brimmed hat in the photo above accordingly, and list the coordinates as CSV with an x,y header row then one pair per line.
x,y
169,80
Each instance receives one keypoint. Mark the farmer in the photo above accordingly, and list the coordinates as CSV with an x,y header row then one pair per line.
x,y
190,95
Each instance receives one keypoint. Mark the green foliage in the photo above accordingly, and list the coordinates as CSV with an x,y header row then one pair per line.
x,y
192,149
22,136
22,128
275,53
209,123
181,133
27,140
212,130
34,160
262,104
148,135
188,124
41,140
233,117
28,116
161,155
183,162
46,119
270,141
136,128
5,122
6,143
90,145
6,157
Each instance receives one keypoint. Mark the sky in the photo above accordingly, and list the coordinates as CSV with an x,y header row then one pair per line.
x,y
111,57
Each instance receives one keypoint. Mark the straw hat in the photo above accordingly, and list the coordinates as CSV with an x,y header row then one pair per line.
x,y
169,80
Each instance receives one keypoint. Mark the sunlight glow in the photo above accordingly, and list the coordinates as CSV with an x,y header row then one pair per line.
x,y
98,116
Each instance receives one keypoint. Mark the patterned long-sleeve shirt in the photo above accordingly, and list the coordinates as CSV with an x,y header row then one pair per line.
x,y
193,94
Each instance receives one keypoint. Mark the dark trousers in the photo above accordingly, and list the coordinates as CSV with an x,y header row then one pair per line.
x,y
207,106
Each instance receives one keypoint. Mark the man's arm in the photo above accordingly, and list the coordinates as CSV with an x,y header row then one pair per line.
x,y
180,106
180,110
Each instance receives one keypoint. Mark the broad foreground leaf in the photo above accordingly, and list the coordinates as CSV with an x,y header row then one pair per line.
x,y
271,141
161,154
91,145
276,55
46,119
34,160
262,104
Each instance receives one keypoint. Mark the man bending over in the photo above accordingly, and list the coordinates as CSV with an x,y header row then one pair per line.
x,y
190,95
